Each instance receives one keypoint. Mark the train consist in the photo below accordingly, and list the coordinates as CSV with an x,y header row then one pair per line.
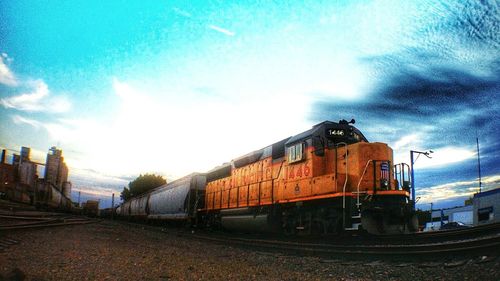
x,y
325,180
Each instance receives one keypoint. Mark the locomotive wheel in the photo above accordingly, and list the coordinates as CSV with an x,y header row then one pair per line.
x,y
334,223
374,224
289,226
413,223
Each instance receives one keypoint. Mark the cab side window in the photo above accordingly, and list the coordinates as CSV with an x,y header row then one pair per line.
x,y
295,152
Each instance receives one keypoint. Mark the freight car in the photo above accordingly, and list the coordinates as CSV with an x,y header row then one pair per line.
x,y
49,197
324,180
177,200
91,208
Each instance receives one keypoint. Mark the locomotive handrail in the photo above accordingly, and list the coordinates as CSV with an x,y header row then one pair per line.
x,y
399,174
364,172
345,182
361,178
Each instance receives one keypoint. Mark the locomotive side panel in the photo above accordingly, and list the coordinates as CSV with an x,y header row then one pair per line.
x,y
312,176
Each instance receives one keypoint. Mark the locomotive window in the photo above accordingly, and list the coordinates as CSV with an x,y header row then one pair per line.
x,y
296,153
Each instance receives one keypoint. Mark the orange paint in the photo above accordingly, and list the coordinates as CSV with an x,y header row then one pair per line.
x,y
315,177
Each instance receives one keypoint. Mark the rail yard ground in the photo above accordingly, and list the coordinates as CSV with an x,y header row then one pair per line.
x,y
111,250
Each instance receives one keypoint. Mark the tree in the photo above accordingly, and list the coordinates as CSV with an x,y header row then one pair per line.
x,y
140,185
125,195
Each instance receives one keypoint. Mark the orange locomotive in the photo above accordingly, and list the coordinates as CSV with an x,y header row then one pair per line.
x,y
324,180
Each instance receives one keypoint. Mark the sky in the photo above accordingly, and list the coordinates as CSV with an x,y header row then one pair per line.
x,y
171,87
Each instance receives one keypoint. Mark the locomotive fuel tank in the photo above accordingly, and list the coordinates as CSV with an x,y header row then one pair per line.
x,y
247,220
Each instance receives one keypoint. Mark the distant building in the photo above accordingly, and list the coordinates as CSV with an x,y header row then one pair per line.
x,y
56,171
7,175
67,189
25,153
487,207
19,180
463,214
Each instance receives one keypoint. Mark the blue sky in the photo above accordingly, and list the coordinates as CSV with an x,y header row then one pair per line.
x,y
171,87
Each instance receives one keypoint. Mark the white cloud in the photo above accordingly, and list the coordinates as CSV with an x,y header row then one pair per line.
x,y
6,75
445,155
181,12
221,30
407,140
456,189
28,101
174,136
440,157
37,100
96,184
17,119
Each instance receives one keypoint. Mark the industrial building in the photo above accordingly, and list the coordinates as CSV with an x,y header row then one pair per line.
x,y
20,181
440,217
56,171
485,209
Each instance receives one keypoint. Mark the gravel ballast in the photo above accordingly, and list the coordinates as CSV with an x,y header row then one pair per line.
x,y
117,251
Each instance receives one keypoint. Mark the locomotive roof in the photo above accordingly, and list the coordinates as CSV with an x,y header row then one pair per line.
x,y
277,150
319,129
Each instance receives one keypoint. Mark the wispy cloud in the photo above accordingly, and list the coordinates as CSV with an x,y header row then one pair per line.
x,y
6,75
407,140
96,184
456,189
17,119
28,101
446,155
221,30
38,100
181,12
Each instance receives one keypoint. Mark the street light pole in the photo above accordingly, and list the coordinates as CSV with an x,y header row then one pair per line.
x,y
412,161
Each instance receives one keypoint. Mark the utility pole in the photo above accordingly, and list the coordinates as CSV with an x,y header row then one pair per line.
x,y
112,205
478,162
412,161
79,194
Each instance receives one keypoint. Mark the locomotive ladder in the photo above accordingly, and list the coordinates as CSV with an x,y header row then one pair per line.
x,y
356,218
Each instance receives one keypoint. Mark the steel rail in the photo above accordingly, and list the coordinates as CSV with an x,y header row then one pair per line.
x,y
351,246
15,227
40,222
24,218
492,242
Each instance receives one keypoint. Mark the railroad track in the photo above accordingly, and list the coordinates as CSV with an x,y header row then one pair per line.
x,y
483,244
40,220
484,240
489,243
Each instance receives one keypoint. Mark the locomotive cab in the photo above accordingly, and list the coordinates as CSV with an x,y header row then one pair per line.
x,y
356,176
